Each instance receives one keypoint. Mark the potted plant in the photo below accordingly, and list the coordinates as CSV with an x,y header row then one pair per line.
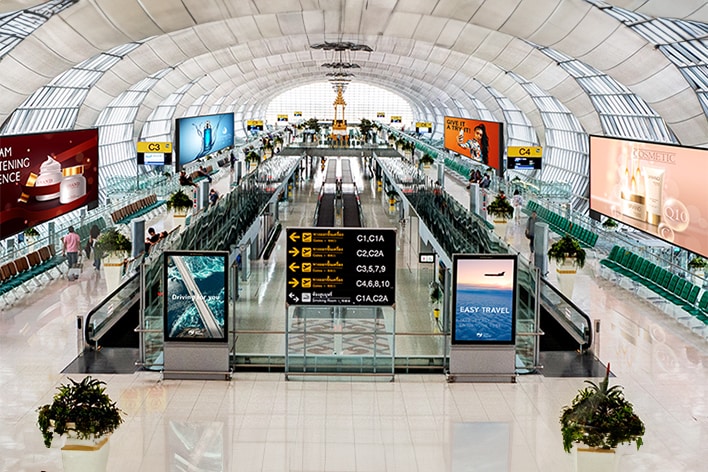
x,y
253,157
697,266
569,256
32,232
609,224
113,247
436,296
567,248
180,202
86,416
113,242
697,263
427,159
600,418
500,209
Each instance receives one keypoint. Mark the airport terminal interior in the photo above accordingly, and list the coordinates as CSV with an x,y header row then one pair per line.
x,y
310,307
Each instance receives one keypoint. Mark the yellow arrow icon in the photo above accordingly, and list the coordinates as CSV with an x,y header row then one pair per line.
x,y
294,252
294,237
293,267
293,282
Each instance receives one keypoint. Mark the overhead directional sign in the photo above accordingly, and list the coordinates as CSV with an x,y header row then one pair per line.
x,y
147,146
341,266
524,151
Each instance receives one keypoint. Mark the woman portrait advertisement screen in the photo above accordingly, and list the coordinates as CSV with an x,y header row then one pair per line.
x,y
199,136
657,188
482,141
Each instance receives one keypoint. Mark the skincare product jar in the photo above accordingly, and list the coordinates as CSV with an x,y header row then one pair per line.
x,y
49,175
73,185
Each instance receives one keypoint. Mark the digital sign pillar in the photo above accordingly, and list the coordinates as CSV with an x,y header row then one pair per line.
x,y
483,338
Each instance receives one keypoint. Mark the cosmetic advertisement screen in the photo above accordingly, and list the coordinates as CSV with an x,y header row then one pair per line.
x,y
45,175
657,188
199,136
195,289
482,141
484,297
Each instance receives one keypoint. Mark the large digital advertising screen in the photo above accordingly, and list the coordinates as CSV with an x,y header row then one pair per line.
x,y
199,136
657,188
482,141
196,299
45,175
484,298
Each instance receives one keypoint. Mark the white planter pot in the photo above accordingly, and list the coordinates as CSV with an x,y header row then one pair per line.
x,y
113,269
85,455
179,219
698,276
565,271
595,460
500,227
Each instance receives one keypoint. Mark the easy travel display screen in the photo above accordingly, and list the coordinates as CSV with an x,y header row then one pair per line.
x,y
199,136
45,175
657,188
484,299
195,307
482,141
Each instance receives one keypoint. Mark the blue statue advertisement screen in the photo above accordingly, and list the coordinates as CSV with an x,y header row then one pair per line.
x,y
195,290
199,136
484,299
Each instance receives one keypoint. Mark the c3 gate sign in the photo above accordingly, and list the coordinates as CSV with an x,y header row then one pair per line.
x,y
341,266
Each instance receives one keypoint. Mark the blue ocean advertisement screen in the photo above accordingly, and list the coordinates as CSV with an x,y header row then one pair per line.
x,y
484,298
199,136
195,290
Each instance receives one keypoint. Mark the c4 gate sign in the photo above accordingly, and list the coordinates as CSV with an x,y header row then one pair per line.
x,y
341,266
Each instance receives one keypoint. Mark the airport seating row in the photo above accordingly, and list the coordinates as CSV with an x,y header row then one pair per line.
x,y
196,176
677,290
136,209
16,273
562,225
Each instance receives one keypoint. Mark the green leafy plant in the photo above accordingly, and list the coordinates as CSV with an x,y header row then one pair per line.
x,y
500,207
436,293
697,263
179,201
312,124
566,247
82,407
112,241
365,126
31,231
609,223
600,417
427,159
253,156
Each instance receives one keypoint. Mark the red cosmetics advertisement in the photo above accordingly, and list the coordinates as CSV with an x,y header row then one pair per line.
x,y
45,175
482,141
660,189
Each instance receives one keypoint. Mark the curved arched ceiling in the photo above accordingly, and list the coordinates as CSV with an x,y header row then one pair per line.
x,y
428,51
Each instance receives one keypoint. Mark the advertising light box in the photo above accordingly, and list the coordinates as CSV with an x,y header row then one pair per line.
x,y
484,299
196,296
199,136
45,175
657,188
482,141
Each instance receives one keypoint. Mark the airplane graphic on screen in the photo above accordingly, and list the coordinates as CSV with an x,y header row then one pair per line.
x,y
500,274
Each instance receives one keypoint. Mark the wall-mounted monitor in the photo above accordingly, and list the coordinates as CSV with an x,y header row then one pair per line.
x,y
45,175
199,136
484,299
482,141
155,158
196,296
656,188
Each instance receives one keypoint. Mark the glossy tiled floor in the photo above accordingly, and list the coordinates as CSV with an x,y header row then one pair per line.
x,y
260,422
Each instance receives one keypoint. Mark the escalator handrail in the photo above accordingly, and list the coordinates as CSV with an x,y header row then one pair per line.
x,y
552,309
89,333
